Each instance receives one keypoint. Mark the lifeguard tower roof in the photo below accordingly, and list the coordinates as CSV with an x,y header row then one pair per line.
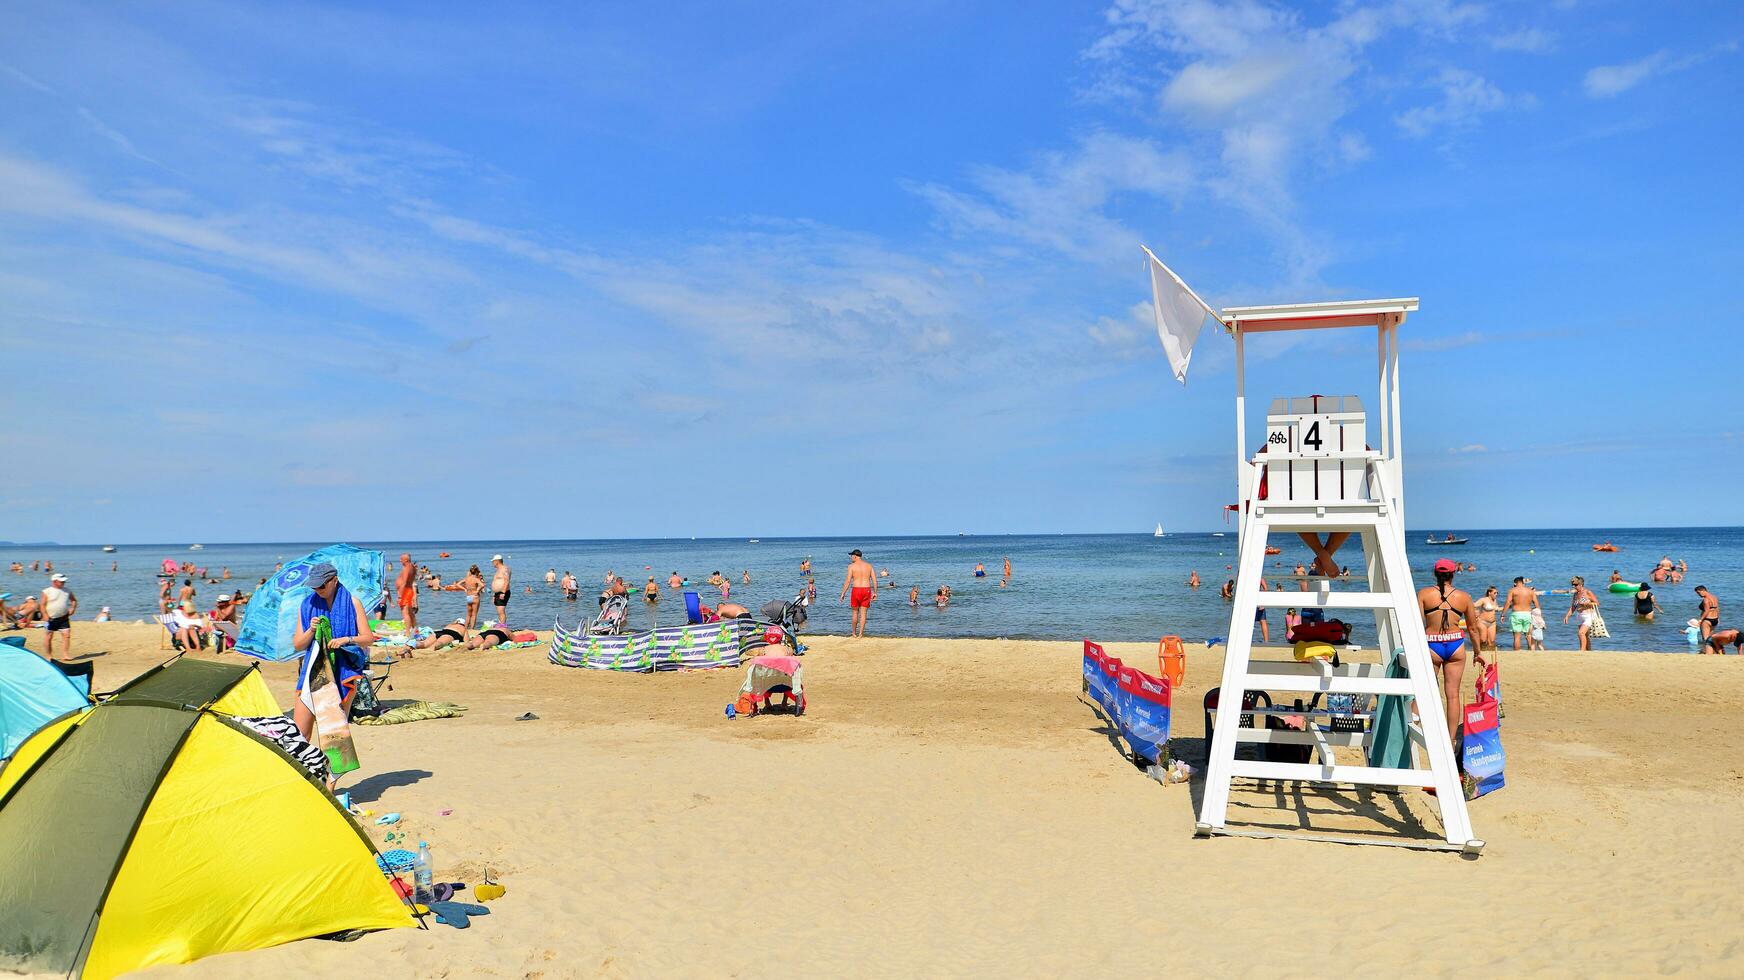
x,y
1308,316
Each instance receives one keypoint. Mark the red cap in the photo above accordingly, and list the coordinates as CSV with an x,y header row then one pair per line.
x,y
1446,565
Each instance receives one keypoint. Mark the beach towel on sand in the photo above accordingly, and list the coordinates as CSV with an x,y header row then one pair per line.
x,y
416,711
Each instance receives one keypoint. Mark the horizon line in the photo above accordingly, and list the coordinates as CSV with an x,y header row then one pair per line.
x,y
1231,530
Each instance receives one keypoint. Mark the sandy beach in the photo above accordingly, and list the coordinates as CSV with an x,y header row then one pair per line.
x,y
956,807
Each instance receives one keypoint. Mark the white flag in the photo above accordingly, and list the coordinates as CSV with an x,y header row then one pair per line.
x,y
1180,313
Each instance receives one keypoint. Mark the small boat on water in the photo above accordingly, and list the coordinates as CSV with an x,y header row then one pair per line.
x,y
756,540
1450,539
108,549
196,547
1607,546
1158,532
1274,551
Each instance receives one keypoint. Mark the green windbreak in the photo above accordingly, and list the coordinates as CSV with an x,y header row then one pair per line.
x,y
63,831
187,681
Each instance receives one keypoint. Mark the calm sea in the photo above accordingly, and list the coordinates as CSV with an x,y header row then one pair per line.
x,y
1112,587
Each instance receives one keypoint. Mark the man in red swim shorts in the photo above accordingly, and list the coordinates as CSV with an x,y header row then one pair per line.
x,y
406,589
863,582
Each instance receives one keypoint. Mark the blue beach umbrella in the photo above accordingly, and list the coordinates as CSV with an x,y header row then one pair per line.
x,y
271,621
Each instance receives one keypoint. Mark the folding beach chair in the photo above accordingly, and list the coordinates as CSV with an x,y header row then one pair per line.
x,y
168,637
376,679
692,608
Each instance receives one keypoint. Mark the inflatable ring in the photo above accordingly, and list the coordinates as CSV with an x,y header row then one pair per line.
x,y
1625,586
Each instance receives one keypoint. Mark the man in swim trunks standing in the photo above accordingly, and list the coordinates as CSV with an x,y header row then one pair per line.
x,y
58,606
863,582
1710,614
500,588
1522,599
1443,606
406,587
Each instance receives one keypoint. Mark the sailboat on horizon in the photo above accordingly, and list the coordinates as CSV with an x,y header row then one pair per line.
x,y
1158,532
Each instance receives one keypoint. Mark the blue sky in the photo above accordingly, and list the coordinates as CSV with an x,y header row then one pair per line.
x,y
296,272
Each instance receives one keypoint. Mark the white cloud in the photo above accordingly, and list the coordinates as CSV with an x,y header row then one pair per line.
x,y
1272,89
1476,447
1061,202
1531,40
1607,81
1465,96
113,135
26,80
1133,335
363,262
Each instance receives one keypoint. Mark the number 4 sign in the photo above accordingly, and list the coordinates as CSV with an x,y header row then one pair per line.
x,y
1304,436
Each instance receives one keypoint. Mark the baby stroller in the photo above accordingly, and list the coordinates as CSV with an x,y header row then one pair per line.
x,y
789,616
613,618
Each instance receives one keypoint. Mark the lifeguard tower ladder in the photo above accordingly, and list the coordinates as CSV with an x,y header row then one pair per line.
x,y
1317,474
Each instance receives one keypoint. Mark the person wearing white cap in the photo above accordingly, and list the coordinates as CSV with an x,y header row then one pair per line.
x,y
224,616
58,606
500,588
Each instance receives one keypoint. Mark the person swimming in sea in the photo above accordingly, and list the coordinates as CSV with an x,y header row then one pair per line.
x,y
914,595
980,570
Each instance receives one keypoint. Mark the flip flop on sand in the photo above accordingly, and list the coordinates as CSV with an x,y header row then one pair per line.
x,y
529,716
457,914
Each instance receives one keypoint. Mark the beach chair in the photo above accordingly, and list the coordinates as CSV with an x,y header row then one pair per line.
x,y
168,637
692,608
376,679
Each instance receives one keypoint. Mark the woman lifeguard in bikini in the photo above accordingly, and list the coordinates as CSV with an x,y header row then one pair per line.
x,y
1443,608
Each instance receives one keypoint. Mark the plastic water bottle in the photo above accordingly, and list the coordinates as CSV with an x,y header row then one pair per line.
x,y
423,876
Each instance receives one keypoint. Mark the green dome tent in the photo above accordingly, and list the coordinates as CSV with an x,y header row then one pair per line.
x,y
156,828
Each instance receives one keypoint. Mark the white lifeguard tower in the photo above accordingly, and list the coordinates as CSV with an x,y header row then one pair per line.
x,y
1317,473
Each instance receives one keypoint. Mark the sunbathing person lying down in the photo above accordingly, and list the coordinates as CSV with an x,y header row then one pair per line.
x,y
445,637
493,636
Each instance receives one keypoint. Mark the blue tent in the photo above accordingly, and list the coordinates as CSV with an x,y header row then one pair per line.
x,y
272,610
33,692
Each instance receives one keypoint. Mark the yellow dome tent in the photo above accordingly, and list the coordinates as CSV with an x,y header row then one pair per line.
x,y
155,828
